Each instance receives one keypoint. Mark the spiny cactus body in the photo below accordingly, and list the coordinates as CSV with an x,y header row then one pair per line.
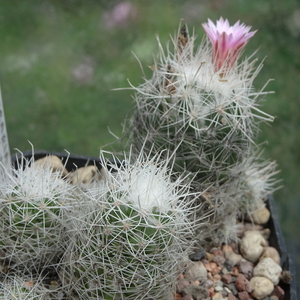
x,y
131,236
33,205
209,118
201,105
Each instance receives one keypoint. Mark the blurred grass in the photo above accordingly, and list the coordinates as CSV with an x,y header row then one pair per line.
x,y
59,61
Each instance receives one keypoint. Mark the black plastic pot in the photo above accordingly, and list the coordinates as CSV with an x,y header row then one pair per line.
x,y
276,239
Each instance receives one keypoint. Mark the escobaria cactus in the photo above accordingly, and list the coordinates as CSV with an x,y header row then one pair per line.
x,y
208,115
131,235
33,203
201,105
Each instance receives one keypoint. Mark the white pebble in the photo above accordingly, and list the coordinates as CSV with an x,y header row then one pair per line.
x,y
260,216
268,268
262,286
252,245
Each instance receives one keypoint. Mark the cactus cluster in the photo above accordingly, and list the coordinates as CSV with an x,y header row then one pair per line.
x,y
192,173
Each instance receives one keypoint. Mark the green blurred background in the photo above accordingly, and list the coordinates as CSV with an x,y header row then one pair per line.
x,y
60,60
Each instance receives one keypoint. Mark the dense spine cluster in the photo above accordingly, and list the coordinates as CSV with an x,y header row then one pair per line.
x,y
34,204
201,106
132,235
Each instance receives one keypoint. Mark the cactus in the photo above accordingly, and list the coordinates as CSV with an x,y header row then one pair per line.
x,y
33,204
201,105
208,117
131,235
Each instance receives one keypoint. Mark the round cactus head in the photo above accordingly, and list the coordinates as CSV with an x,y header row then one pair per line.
x,y
132,234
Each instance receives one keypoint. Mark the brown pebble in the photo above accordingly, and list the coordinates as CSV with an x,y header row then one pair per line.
x,y
244,296
211,267
243,284
246,267
219,260
226,278
216,252
231,297
278,292
227,248
188,297
181,284
196,282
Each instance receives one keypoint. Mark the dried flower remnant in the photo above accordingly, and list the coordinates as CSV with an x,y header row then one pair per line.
x,y
227,42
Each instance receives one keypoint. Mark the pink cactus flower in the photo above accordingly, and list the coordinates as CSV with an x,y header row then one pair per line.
x,y
227,41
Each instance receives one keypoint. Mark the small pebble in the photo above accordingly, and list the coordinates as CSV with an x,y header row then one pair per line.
x,y
227,248
213,268
208,284
243,284
278,292
262,286
224,271
265,233
219,260
218,289
85,175
226,278
243,296
246,267
195,282
181,284
260,216
52,161
196,271
209,256
216,277
196,291
217,296
217,252
272,253
228,265
233,257
231,297
252,245
198,254
233,289
268,268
